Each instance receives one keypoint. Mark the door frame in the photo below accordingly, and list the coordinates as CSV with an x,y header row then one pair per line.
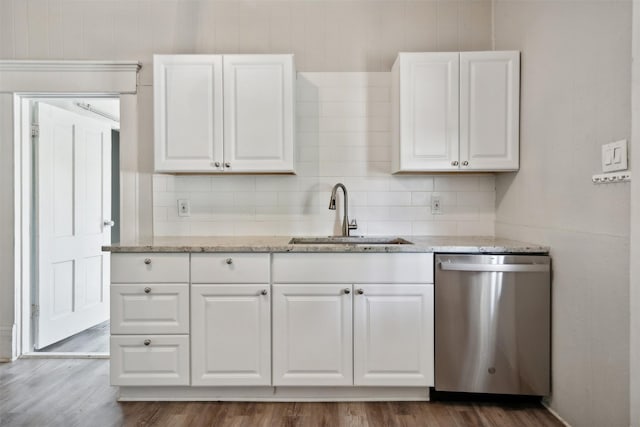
x,y
19,81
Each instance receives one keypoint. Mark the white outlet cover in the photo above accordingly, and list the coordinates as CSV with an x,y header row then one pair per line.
x,y
184,207
614,156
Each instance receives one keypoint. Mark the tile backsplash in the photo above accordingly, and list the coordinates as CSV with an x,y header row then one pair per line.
x,y
343,135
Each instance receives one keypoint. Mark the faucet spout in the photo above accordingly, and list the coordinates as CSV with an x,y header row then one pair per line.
x,y
346,225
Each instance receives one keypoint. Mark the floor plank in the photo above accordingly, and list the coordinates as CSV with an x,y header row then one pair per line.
x,y
75,393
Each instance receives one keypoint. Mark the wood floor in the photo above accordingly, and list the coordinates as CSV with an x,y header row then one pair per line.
x,y
92,340
75,392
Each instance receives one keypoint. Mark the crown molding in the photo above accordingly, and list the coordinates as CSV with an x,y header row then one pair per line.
x,y
60,65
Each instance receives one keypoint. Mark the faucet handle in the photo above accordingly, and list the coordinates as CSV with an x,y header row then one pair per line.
x,y
353,224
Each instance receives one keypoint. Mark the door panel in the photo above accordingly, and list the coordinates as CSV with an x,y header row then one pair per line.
x,y
393,335
258,113
312,335
489,110
73,178
429,111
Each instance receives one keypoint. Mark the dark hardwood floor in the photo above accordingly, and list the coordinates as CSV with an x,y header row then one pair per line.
x,y
75,392
92,340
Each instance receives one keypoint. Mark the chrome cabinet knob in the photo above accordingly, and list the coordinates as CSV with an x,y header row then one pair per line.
x,y
360,291
147,342
216,164
229,261
147,261
227,165
109,223
347,291
264,292
147,290
465,163
454,163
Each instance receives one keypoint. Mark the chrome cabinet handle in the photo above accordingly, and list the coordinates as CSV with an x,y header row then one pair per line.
x,y
147,342
264,292
147,261
497,268
229,261
109,223
347,291
454,163
227,165
465,163
147,290
360,291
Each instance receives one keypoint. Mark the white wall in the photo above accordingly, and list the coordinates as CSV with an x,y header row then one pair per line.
x,y
634,358
343,136
575,96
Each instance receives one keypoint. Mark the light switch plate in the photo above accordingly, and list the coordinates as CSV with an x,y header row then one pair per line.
x,y
614,156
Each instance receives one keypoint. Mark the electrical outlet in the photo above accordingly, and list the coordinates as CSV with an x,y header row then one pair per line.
x,y
184,207
436,205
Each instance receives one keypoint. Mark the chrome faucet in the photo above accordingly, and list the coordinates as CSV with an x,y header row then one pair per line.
x,y
346,225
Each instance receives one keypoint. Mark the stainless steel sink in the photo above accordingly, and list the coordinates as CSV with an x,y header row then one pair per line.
x,y
349,240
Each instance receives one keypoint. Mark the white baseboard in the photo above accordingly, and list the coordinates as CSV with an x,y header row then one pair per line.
x,y
7,343
274,394
554,413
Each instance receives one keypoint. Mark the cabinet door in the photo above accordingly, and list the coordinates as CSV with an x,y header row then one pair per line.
x,y
187,92
393,335
230,335
489,110
258,113
312,341
428,102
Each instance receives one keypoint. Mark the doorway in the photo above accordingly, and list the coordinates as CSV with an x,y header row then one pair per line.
x,y
75,188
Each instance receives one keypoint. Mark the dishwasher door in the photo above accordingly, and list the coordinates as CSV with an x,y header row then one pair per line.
x,y
492,320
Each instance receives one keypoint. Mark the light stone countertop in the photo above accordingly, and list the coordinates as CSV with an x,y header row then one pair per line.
x,y
451,244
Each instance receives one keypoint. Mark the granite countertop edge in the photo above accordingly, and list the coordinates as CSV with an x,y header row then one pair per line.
x,y
280,244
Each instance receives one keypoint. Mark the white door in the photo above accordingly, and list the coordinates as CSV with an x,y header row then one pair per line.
x,y
312,341
393,335
258,113
187,92
429,97
489,110
230,335
73,202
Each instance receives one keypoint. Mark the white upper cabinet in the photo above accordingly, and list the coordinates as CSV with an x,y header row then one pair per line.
x,y
258,113
224,113
188,113
456,112
426,111
489,110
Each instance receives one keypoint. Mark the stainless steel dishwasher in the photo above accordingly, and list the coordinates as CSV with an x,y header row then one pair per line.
x,y
492,320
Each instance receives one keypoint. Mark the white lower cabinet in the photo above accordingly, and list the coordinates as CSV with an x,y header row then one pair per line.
x,y
230,335
312,342
393,335
149,360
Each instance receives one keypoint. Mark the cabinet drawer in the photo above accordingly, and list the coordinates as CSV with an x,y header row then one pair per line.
x,y
163,361
158,308
230,268
353,268
149,268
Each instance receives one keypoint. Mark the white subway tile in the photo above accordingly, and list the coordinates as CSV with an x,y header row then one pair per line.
x,y
233,183
388,228
410,213
476,228
456,183
410,183
434,228
389,198
192,183
307,109
420,198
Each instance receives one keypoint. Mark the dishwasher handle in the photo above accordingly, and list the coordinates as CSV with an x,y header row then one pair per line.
x,y
498,268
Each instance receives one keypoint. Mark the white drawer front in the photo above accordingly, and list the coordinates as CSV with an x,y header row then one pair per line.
x,y
149,268
164,361
230,268
353,268
157,308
